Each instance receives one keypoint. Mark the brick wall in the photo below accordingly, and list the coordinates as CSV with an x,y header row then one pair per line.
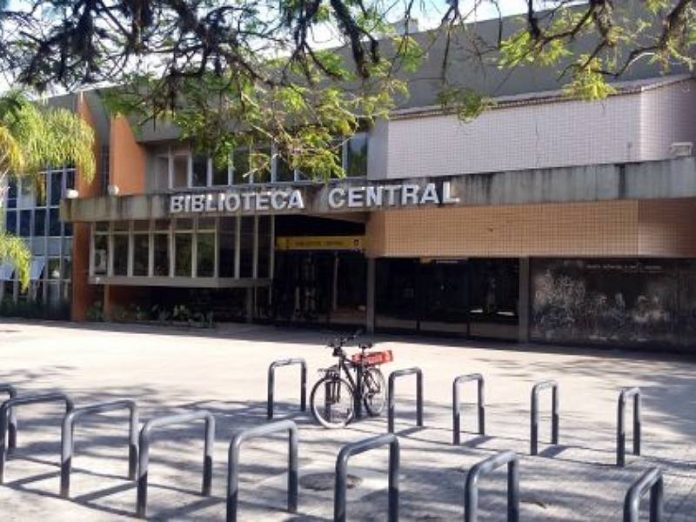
x,y
602,229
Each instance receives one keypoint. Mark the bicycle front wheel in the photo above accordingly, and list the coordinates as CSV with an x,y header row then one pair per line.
x,y
331,402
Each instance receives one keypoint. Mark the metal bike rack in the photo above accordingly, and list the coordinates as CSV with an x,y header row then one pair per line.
x,y
392,401
356,448
651,481
68,439
12,392
144,459
11,404
271,383
456,400
513,485
534,436
624,396
233,467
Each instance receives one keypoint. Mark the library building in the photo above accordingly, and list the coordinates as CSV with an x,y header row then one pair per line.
x,y
546,220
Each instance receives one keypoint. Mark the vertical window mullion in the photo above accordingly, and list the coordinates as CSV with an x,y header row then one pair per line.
x,y
216,249
110,251
151,248
194,248
237,241
189,170
255,251
93,229
271,266
131,249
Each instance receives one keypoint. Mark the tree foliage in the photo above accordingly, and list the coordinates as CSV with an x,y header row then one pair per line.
x,y
254,71
33,137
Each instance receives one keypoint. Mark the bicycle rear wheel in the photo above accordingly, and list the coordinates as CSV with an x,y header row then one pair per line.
x,y
331,402
374,391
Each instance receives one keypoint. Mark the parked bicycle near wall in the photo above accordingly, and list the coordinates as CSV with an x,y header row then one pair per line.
x,y
349,384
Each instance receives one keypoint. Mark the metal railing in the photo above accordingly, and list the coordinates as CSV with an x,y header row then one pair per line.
x,y
144,459
456,405
68,438
624,396
356,448
534,418
12,404
271,383
391,399
233,466
650,481
513,485
12,392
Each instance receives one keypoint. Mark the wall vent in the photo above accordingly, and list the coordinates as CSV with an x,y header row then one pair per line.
x,y
681,149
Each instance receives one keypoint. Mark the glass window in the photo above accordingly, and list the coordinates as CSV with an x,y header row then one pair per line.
x,y
121,226
228,234
199,174
25,223
183,253
103,226
283,171
67,229
12,194
162,224
67,268
26,194
162,172
356,150
161,255
120,255
206,224
141,254
53,268
240,165
183,224
180,178
262,165
53,222
40,222
56,187
40,186
205,255
246,252
11,221
70,179
101,246
220,172
142,226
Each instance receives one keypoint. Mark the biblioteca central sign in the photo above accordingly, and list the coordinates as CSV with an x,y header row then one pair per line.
x,y
281,199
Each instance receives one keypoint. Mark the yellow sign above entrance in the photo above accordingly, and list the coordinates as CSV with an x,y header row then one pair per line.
x,y
320,243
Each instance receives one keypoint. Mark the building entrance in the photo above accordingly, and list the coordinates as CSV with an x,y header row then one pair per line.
x,y
320,288
467,297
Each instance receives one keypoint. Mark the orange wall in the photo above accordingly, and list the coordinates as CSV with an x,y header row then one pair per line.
x,y
127,158
84,294
660,228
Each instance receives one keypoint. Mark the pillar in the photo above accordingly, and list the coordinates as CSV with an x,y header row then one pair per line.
x,y
524,301
371,281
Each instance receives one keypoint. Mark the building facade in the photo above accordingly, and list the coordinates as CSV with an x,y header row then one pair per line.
x,y
546,219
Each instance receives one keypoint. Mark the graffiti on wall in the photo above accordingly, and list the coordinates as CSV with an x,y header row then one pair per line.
x,y
622,302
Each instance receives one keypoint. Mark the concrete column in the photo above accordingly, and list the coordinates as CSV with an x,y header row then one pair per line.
x,y
524,301
371,280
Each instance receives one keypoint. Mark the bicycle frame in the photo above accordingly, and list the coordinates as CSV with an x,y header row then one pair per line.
x,y
346,365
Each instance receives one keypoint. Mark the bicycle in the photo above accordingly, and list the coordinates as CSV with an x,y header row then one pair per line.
x,y
335,399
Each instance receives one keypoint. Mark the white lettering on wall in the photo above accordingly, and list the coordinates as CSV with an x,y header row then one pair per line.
x,y
279,200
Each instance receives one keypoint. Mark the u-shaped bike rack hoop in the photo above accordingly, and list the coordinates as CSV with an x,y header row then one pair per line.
x,y
233,463
144,458
68,440
12,392
624,396
456,405
391,400
271,383
513,485
11,404
342,473
534,420
650,481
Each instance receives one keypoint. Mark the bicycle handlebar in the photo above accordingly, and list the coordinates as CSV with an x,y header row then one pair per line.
x,y
339,342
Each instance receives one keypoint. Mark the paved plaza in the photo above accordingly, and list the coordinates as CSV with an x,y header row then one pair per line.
x,y
224,372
